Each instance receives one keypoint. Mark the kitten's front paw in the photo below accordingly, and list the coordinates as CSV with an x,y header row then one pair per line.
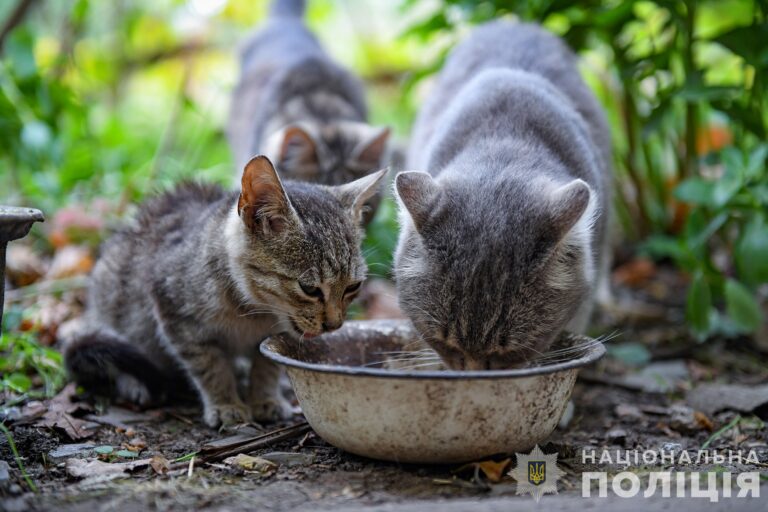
x,y
272,409
227,414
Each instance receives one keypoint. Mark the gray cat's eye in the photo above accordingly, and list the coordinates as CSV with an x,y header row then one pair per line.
x,y
312,291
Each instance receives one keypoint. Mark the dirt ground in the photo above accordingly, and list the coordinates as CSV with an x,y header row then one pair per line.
x,y
627,401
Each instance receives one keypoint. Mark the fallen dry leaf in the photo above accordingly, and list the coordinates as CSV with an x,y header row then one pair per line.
x,y
121,418
69,261
136,444
83,468
492,470
703,421
160,464
60,411
250,463
49,314
22,265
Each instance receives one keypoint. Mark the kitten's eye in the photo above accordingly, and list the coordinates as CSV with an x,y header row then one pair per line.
x,y
353,288
312,291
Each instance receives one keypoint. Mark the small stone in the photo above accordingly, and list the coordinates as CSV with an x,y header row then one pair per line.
x,y
616,435
66,451
137,443
671,447
289,459
567,416
5,472
627,411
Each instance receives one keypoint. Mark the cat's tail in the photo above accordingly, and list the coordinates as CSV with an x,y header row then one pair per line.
x,y
106,364
287,8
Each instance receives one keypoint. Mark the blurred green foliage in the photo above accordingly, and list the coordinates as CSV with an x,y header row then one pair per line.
x,y
25,365
114,100
684,86
729,215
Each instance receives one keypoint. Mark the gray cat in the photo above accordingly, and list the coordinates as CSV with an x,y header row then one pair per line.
x,y
504,239
202,276
301,109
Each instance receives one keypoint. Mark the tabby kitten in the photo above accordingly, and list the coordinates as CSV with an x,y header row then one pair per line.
x,y
301,109
504,239
202,276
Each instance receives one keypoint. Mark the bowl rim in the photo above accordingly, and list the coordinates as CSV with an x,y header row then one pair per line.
x,y
593,353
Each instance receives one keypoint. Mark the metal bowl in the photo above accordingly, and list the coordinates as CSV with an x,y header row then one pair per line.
x,y
421,416
15,223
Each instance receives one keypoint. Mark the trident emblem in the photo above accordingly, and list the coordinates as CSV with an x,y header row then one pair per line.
x,y
537,471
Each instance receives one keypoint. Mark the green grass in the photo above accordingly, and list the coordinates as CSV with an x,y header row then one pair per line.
x,y
17,457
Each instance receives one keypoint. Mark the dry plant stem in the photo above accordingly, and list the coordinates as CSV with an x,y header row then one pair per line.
x,y
249,445
691,111
630,116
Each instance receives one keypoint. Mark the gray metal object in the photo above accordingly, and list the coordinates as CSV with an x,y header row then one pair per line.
x,y
14,223
421,416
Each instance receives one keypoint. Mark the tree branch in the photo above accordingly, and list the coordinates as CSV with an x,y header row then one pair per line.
x,y
16,17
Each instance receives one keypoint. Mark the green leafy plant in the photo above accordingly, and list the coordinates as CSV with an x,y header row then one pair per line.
x,y
729,214
25,365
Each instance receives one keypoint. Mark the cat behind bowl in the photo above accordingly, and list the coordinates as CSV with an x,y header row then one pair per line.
x,y
503,239
201,276
300,108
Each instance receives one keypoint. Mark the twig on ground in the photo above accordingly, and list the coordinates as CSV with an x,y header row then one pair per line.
x,y
247,445
181,418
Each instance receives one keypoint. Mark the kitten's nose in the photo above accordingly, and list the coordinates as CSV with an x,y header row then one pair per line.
x,y
475,364
331,326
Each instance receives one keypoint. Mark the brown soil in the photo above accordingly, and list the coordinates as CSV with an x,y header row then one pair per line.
x,y
610,413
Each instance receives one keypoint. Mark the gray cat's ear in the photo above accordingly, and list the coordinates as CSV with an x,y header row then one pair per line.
x,y
298,149
263,205
369,151
569,204
417,191
354,194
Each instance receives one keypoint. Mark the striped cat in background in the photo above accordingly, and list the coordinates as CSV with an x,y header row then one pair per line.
x,y
301,109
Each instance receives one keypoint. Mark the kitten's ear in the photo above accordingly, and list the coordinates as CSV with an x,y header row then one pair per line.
x,y
354,194
371,149
569,204
298,149
263,204
417,191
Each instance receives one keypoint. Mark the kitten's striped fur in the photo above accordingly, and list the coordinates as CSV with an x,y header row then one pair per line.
x,y
202,276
